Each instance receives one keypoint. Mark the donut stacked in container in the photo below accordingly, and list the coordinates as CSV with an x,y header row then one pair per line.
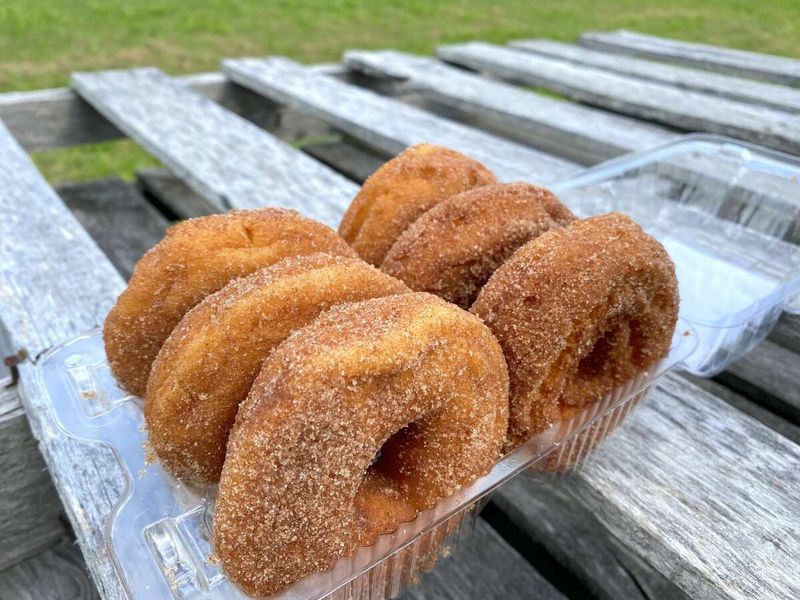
x,y
335,385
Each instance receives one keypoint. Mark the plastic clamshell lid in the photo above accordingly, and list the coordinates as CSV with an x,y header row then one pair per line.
x,y
158,533
728,213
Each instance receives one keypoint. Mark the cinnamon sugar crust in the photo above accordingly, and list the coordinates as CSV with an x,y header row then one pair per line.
x,y
578,311
401,190
453,248
409,379
196,258
207,365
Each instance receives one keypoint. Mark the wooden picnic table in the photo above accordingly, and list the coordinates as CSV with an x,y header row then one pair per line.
x,y
697,495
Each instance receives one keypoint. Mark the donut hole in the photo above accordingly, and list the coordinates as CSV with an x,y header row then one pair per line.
x,y
382,501
594,363
607,362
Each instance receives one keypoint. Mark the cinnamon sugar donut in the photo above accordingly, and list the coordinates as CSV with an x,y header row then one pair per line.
x,y
401,190
409,379
196,258
453,248
207,365
578,311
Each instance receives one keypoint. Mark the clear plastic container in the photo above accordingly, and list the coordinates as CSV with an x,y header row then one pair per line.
x,y
737,268
729,215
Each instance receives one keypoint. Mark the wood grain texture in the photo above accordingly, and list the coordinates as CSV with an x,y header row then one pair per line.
x,y
56,283
571,130
118,218
748,407
691,111
483,567
29,507
787,332
771,95
541,516
172,194
58,573
772,368
56,118
220,155
778,69
385,123
705,494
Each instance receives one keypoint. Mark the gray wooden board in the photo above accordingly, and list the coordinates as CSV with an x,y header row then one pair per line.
x,y
172,193
58,573
55,283
29,507
787,331
692,111
774,369
483,567
351,159
747,406
577,132
55,118
779,69
774,96
119,219
548,517
705,494
385,123
223,157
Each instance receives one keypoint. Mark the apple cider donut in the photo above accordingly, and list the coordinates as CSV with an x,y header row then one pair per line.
x,y
208,364
371,413
401,190
196,258
453,248
578,311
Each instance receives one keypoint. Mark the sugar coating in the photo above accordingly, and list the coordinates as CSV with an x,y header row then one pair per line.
x,y
578,311
410,378
208,364
401,190
196,258
454,247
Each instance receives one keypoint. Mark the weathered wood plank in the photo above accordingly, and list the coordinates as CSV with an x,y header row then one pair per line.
x,y
771,95
692,111
766,67
748,406
384,123
706,495
29,507
484,567
171,194
542,517
774,369
119,219
56,118
58,573
221,156
571,130
55,283
787,332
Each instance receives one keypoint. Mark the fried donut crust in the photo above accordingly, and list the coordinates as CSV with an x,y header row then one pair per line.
x,y
196,258
207,365
401,190
453,248
409,378
578,311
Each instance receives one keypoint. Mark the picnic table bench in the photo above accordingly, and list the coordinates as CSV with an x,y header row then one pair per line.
x,y
696,495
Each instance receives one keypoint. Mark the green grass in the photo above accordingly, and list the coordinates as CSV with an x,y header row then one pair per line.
x,y
41,42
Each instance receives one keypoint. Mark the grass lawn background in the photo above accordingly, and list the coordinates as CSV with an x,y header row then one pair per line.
x,y
41,42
